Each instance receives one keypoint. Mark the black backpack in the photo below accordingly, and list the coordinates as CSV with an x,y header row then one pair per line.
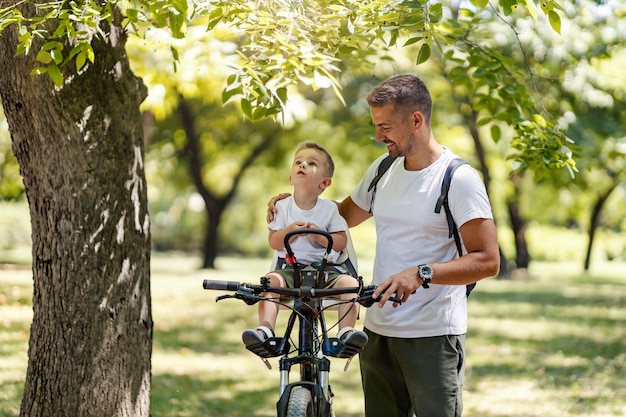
x,y
442,201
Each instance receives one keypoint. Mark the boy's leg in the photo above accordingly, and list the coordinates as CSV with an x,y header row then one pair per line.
x,y
348,312
268,310
354,340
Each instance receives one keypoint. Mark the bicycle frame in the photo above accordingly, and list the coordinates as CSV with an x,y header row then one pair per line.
x,y
313,343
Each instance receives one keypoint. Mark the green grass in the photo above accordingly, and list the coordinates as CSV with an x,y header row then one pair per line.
x,y
551,345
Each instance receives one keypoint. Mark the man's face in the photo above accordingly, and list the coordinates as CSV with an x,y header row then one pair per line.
x,y
394,128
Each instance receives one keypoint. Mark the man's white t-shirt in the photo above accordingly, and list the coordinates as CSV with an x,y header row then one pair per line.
x,y
410,233
325,214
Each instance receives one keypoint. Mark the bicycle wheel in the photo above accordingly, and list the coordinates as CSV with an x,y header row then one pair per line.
x,y
300,403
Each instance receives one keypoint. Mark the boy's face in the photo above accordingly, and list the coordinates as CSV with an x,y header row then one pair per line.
x,y
310,168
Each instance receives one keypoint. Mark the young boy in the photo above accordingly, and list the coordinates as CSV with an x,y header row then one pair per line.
x,y
311,173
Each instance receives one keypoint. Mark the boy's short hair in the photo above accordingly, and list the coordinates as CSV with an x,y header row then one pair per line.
x,y
312,145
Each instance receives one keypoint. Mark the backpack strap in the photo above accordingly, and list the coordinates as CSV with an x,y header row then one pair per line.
x,y
382,168
442,201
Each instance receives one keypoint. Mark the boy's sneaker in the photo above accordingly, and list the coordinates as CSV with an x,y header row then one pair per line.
x,y
256,336
356,339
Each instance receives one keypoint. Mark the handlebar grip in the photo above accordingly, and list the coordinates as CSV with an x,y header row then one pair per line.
x,y
210,284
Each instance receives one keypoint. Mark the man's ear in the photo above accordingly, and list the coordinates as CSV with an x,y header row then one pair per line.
x,y
418,119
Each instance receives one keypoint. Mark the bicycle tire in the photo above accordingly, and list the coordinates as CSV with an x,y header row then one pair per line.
x,y
300,403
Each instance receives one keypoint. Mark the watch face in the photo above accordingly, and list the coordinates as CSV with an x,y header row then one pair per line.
x,y
426,272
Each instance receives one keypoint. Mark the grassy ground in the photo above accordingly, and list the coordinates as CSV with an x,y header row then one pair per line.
x,y
551,346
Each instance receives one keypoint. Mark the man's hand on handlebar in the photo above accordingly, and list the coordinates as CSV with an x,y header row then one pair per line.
x,y
271,205
402,285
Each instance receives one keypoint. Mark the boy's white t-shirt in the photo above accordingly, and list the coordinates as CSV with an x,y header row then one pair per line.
x,y
325,214
409,233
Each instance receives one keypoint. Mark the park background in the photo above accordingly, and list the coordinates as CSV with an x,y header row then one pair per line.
x,y
546,337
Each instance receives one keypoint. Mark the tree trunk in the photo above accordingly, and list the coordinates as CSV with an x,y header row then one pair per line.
x,y
215,205
484,170
80,153
518,225
595,219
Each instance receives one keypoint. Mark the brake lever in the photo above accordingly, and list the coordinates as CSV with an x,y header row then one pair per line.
x,y
223,297
248,297
368,300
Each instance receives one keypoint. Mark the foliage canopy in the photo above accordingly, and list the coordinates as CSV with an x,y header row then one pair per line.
x,y
283,44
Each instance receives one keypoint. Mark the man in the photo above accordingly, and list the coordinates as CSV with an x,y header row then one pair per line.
x,y
414,360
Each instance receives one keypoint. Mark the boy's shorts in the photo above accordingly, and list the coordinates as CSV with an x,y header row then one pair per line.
x,y
331,277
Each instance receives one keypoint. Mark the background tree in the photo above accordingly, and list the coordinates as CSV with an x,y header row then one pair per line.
x,y
591,104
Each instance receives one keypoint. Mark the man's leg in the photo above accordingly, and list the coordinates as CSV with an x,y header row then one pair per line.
x,y
383,383
434,368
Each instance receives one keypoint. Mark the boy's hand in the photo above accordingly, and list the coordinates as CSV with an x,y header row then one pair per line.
x,y
271,205
319,239
311,225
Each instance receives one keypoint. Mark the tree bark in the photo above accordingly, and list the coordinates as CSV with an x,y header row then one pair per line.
x,y
80,151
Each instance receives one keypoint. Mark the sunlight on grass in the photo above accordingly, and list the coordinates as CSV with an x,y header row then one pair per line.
x,y
551,345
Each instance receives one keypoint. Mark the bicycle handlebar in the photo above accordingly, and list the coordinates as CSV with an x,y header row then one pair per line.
x,y
221,285
252,291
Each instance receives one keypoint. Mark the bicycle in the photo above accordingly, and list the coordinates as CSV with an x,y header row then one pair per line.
x,y
311,396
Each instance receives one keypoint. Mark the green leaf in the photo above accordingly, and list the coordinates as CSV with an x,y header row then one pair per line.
x,y
496,133
282,94
555,21
55,75
177,25
258,114
435,13
48,46
180,6
57,56
81,58
132,15
246,107
413,40
480,3
91,55
423,54
38,71
175,53
44,57
228,94
532,10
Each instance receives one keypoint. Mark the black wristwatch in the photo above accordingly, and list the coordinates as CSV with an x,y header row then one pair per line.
x,y
425,272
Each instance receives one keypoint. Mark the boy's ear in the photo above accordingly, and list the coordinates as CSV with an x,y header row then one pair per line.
x,y
326,183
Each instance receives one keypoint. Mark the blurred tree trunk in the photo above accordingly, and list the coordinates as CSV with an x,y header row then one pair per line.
x,y
80,153
215,205
518,224
595,218
471,122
